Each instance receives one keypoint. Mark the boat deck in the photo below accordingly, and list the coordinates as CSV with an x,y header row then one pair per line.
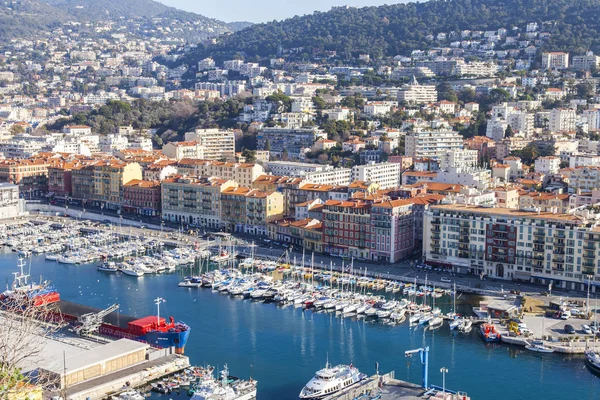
x,y
77,310
390,389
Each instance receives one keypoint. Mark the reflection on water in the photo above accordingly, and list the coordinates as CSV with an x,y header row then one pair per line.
x,y
282,347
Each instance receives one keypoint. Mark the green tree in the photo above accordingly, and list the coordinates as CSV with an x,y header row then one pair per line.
x,y
509,132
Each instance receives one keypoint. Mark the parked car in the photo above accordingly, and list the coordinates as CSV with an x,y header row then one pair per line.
x,y
575,312
447,280
586,329
569,329
565,315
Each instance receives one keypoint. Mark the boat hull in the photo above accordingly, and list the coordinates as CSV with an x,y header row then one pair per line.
x,y
594,369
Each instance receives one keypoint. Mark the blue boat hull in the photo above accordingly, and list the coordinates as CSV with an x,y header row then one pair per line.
x,y
168,339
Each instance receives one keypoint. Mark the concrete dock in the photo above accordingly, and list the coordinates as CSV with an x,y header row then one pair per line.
x,y
137,375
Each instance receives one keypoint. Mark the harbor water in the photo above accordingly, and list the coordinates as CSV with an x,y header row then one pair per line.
x,y
282,347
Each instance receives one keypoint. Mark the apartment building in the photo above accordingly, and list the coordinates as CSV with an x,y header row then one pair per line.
x,y
586,62
60,178
584,160
141,197
290,168
250,210
332,176
347,228
243,173
545,202
109,178
459,158
555,60
432,144
82,181
181,150
218,144
194,201
539,247
31,175
563,119
415,93
547,165
293,141
387,175
583,178
10,204
392,230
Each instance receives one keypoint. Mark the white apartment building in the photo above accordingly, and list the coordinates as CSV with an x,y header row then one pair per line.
x,y
387,175
586,62
547,165
562,119
333,176
303,105
473,176
218,144
522,122
583,178
592,117
555,60
459,158
496,129
512,244
432,144
379,107
289,168
414,93
181,150
10,204
584,160
113,142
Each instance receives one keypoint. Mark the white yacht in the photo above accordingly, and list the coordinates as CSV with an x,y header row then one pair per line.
x,y
131,395
330,380
133,271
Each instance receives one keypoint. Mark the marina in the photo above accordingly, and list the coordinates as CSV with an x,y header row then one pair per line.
x,y
243,332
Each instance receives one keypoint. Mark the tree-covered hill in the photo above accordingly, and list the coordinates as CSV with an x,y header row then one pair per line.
x,y
30,18
396,29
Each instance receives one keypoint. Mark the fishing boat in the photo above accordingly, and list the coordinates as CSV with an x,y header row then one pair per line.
x,y
538,346
466,325
330,380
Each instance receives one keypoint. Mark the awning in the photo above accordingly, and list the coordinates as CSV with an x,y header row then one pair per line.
x,y
550,279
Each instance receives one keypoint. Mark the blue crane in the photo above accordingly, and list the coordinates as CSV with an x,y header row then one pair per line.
x,y
424,353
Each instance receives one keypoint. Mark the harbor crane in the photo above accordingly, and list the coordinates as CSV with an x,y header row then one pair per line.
x,y
424,353
90,322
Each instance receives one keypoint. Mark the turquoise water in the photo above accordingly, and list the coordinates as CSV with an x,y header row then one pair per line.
x,y
282,347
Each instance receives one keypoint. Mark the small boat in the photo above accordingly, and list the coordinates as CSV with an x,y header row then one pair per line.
x,y
466,325
456,323
539,347
592,361
436,322
160,387
108,267
132,271
489,333
131,395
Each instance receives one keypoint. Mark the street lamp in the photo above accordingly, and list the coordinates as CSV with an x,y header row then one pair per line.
x,y
444,371
587,302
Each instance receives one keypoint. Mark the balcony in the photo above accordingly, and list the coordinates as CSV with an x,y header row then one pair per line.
x,y
539,232
436,236
463,254
587,271
589,247
538,241
589,254
436,221
588,264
